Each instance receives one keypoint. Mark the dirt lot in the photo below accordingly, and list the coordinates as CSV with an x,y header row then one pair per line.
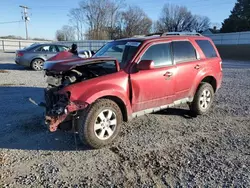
x,y
166,149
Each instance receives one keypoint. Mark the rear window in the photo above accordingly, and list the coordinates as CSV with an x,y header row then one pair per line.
x,y
183,51
207,48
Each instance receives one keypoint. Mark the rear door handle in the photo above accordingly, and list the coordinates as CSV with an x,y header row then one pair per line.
x,y
168,74
197,67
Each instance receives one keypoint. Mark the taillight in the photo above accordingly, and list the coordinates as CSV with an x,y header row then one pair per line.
x,y
19,54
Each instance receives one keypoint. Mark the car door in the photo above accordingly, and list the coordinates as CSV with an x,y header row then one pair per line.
x,y
53,50
154,88
187,67
46,51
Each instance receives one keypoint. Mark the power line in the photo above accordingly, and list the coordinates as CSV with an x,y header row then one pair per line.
x,y
10,22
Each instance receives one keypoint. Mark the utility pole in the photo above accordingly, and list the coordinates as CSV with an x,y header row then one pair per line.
x,y
26,19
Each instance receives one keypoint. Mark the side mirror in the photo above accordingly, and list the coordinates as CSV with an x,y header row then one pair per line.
x,y
145,65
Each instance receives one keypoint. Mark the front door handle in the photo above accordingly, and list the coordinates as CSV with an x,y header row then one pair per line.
x,y
197,67
168,74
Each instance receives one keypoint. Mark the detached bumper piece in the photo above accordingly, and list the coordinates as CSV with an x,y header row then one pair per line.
x,y
53,122
58,108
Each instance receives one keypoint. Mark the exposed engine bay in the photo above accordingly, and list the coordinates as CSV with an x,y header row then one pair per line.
x,y
78,74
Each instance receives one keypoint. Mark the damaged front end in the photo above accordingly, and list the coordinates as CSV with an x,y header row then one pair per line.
x,y
60,109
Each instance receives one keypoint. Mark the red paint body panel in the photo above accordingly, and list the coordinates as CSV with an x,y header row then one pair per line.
x,y
116,85
152,88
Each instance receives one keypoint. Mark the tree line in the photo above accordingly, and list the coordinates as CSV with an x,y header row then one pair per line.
x,y
112,19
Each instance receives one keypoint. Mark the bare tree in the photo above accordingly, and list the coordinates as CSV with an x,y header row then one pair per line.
x,y
100,17
201,23
135,22
67,33
77,20
59,35
175,18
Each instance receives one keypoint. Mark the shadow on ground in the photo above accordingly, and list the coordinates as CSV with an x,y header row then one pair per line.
x,y
178,112
9,52
22,123
12,66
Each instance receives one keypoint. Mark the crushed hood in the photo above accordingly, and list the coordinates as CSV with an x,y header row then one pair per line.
x,y
65,61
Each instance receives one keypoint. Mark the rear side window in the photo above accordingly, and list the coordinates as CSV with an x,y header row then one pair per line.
x,y
183,51
159,53
51,48
62,48
207,48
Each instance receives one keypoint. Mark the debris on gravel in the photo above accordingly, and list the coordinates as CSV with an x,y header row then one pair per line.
x,y
165,149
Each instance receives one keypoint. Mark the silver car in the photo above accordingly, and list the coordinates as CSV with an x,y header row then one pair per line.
x,y
35,55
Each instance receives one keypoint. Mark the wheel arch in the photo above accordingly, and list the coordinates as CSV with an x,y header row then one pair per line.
x,y
211,80
34,58
121,105
206,79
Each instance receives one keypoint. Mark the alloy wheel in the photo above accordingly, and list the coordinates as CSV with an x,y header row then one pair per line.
x,y
205,99
38,64
105,124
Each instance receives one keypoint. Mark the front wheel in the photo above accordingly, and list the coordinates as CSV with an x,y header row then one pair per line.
x,y
203,99
101,124
37,64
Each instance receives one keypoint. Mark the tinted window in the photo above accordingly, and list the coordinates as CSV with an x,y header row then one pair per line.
x,y
47,49
32,46
63,48
183,51
207,48
159,53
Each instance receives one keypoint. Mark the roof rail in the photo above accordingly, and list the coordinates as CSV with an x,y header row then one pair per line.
x,y
138,36
181,33
153,34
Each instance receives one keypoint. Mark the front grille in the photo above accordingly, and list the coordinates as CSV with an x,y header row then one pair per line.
x,y
55,103
51,98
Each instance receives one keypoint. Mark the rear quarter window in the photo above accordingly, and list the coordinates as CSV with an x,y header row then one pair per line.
x,y
183,51
207,48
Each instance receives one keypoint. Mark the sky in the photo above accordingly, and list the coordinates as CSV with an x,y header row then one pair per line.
x,y
46,16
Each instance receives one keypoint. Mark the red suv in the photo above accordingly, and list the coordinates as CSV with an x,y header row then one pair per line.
x,y
128,78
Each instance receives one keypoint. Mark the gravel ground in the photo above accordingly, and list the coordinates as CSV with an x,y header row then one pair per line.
x,y
166,149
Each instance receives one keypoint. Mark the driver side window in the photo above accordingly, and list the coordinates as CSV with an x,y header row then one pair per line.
x,y
160,54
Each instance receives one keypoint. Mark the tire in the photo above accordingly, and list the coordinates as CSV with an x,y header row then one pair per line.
x,y
37,64
201,105
100,124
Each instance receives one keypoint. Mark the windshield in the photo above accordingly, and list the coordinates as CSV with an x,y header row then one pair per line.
x,y
123,51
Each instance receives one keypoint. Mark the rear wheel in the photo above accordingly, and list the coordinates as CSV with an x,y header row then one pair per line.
x,y
37,64
101,124
203,99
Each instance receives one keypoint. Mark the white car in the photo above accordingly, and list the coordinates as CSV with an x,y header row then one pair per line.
x,y
85,53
